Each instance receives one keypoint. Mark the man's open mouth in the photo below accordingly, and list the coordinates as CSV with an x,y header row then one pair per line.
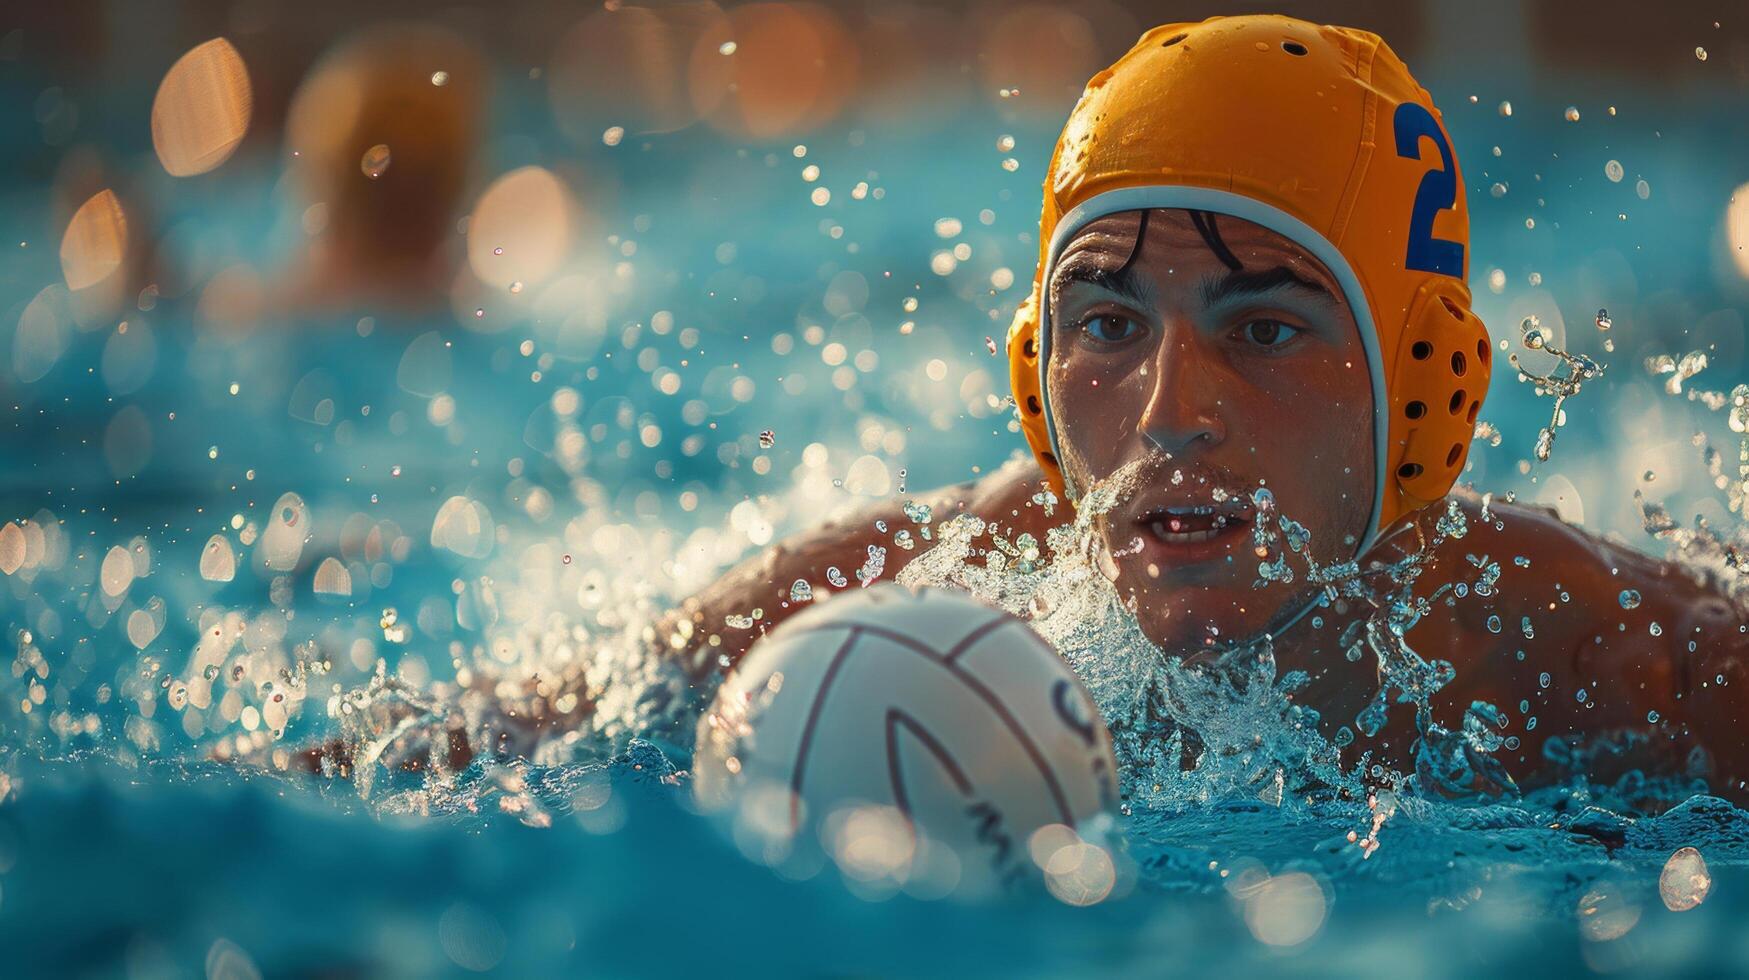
x,y
1183,525
1189,525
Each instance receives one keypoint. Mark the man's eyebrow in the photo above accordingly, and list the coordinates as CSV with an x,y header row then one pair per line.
x,y
1240,283
1122,282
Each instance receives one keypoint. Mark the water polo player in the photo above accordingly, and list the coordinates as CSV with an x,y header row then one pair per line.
x,y
1252,274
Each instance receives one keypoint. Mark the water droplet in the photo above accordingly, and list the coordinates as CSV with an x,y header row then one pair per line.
x,y
1652,716
1629,598
566,559
1613,171
1579,695
1700,54
375,161
801,591
1531,330
1493,624
439,78
1656,630
767,439
1685,880
1572,113
1543,679
1506,108
612,135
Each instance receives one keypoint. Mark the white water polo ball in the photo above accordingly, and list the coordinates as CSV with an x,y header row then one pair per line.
x,y
885,726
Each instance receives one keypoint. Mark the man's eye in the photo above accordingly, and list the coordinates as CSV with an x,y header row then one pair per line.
x,y
1109,329
1269,333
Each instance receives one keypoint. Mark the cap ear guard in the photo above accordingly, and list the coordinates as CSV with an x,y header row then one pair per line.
x,y
1023,376
1439,379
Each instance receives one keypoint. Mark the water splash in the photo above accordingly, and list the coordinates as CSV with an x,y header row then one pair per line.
x,y
1227,722
1579,369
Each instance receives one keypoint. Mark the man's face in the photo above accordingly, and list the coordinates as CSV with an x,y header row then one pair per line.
x,y
1204,367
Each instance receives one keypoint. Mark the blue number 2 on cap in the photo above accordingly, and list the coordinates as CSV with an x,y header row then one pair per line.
x,y
1437,192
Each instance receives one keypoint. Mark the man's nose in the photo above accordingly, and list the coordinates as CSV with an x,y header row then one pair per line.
x,y
1184,402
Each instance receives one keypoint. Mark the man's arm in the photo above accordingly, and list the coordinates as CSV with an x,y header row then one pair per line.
x,y
759,587
699,630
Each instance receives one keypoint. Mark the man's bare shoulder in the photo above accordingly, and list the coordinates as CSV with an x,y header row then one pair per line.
x,y
758,587
1545,558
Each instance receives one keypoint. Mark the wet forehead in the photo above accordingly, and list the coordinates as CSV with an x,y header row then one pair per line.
x,y
1108,242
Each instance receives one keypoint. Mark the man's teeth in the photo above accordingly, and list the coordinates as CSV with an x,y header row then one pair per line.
x,y
1168,530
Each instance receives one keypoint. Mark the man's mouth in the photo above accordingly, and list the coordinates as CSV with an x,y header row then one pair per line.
x,y
1186,532
1186,525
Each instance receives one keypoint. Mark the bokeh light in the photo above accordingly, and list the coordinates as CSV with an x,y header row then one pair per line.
x,y
790,69
1041,53
521,229
202,109
629,67
1737,228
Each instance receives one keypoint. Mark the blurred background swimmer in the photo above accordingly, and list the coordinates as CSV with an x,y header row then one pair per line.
x,y
382,156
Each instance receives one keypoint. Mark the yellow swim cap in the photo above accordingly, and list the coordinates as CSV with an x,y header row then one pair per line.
x,y
1320,134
